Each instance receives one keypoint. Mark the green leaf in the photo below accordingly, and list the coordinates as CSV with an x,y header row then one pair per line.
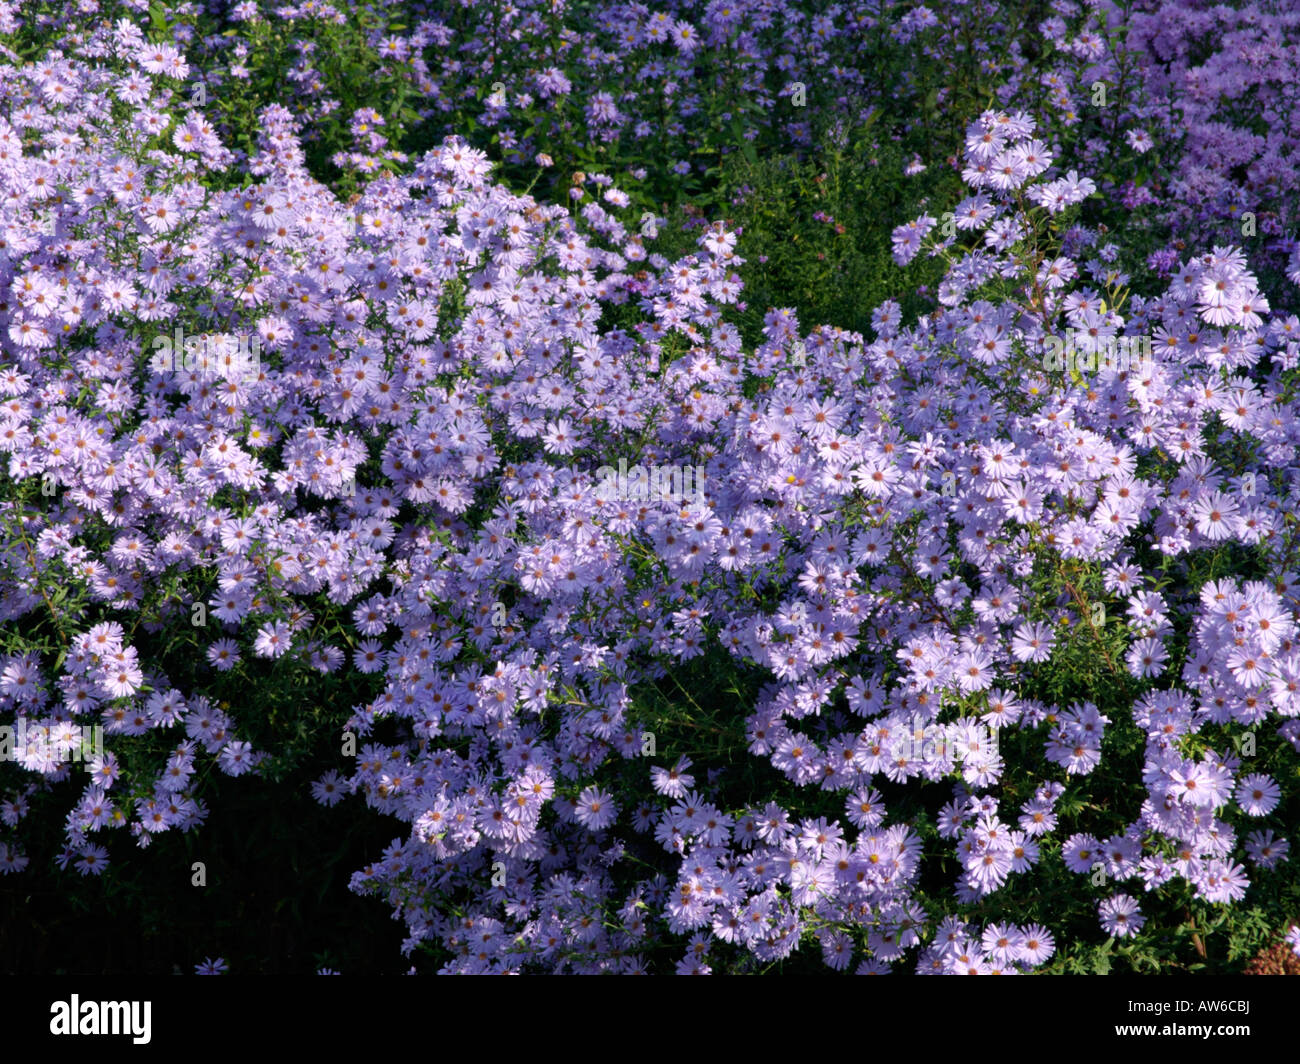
x,y
746,146
158,19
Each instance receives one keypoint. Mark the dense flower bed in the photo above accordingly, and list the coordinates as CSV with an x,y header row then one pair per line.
x,y
942,627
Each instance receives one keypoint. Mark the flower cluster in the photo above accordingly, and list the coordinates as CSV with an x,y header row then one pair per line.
x,y
893,500
895,543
